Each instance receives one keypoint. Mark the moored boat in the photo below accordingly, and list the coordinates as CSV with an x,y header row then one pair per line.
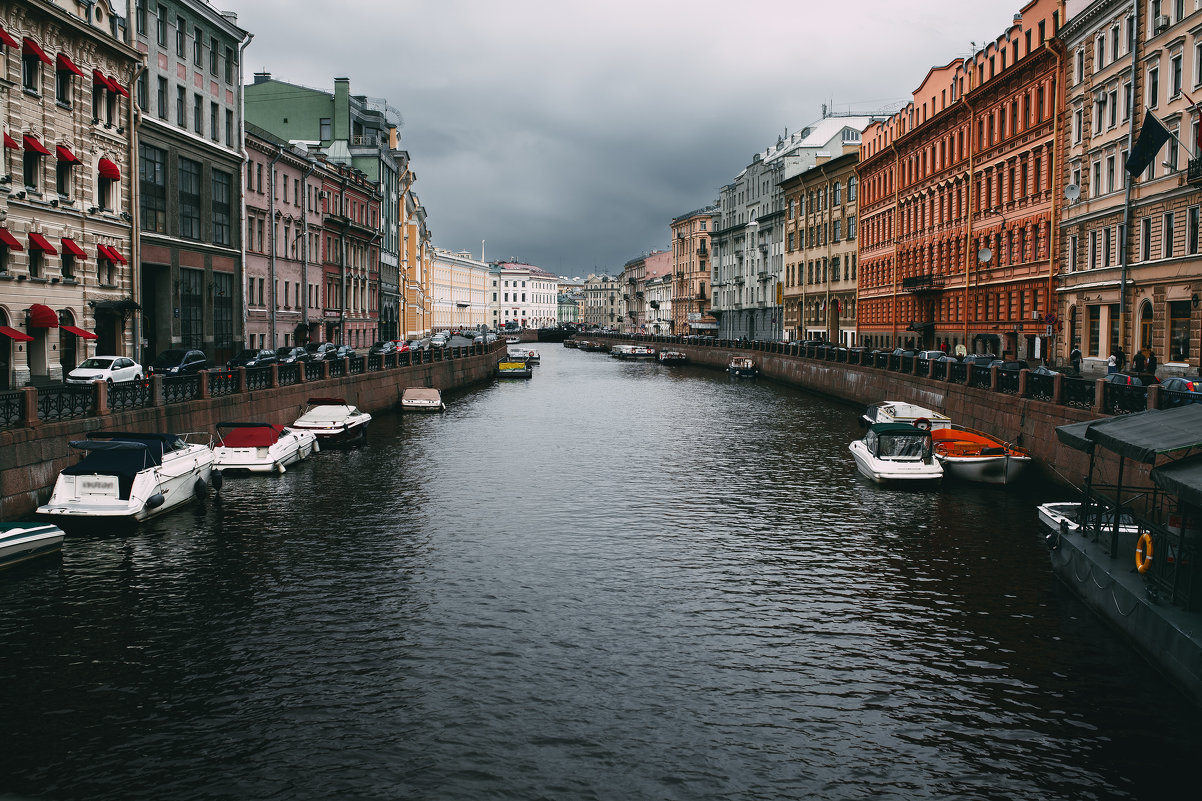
x,y
131,477
672,357
742,367
525,354
571,343
514,369
898,454
422,399
971,455
902,412
20,542
334,421
261,447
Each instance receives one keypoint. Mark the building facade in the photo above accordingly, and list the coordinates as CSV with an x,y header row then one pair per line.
x,y
748,245
820,251
691,268
526,296
1130,272
68,289
459,285
602,306
957,194
350,205
189,160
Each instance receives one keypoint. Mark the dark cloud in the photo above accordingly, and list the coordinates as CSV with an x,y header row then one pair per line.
x,y
568,134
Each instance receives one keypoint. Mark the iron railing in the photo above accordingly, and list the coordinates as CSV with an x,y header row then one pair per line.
x,y
130,395
288,374
12,405
258,378
312,371
1124,399
180,388
982,378
337,368
1041,387
1077,392
67,402
222,383
356,365
959,372
1169,399
1007,381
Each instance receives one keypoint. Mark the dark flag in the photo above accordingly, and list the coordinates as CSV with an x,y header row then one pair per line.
x,y
1152,136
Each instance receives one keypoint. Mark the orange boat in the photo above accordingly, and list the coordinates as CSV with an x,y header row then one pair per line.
x,y
973,455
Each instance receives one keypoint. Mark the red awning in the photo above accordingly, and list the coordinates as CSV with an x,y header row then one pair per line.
x,y
65,64
14,334
11,143
117,87
98,77
112,254
32,143
10,240
31,47
65,155
42,317
79,332
7,38
38,242
108,169
75,250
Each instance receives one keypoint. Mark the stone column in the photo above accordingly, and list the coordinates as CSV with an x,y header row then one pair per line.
x,y
29,406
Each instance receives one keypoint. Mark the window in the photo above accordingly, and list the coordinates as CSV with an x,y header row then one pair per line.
x,y
161,98
142,92
35,262
189,198
214,54
1166,235
62,85
1126,101
851,227
325,131
1175,75
1179,330
197,47
229,65
214,122
32,167
222,194
198,102
1093,249
181,107
851,193
1110,174
838,199
1079,67
1145,239
1072,253
1078,125
1191,231
1153,94
31,72
160,25
1112,103
181,36
62,178
140,16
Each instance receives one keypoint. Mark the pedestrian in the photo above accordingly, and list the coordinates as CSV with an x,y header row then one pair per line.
x,y
1075,359
1112,365
943,346
1138,362
1151,363
1120,359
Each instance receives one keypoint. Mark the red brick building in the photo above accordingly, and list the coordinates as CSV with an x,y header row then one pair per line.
x,y
958,200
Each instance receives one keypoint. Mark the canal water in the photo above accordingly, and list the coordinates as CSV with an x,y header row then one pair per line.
x,y
613,581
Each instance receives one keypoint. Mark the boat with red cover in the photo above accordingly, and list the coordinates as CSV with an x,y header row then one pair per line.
x,y
261,447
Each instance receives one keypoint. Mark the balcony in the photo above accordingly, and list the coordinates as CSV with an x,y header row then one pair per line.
x,y
919,284
1194,172
703,252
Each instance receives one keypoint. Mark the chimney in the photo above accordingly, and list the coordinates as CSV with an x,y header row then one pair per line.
x,y
393,139
342,109
262,77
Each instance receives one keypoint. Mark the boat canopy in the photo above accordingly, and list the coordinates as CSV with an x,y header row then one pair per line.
x,y
422,393
1182,479
121,459
1142,436
157,444
249,435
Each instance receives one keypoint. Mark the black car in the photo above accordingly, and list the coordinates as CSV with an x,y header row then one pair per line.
x,y
1012,366
253,357
340,352
382,347
179,361
1131,379
292,353
1180,390
981,359
319,350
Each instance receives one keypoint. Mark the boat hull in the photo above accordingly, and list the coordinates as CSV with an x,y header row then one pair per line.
x,y
423,406
20,542
909,473
985,469
290,449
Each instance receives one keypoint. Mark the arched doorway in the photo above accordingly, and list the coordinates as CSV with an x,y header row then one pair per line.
x,y
68,343
9,336
1145,325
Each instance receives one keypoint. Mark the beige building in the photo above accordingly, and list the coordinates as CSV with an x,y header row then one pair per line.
x,y
691,269
417,260
602,305
820,251
67,196
459,286
1130,273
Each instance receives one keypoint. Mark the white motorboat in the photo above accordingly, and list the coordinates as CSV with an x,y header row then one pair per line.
x,y
971,455
1065,517
897,453
334,421
902,412
261,447
672,357
742,367
20,542
524,354
422,399
130,476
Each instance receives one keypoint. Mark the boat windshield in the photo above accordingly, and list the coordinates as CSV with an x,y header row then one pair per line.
x,y
903,446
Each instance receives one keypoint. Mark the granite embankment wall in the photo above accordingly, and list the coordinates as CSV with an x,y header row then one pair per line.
x,y
31,458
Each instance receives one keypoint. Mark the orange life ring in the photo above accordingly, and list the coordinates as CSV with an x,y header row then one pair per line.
x,y
1143,553
923,424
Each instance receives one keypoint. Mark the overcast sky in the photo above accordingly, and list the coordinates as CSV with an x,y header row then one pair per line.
x,y
568,133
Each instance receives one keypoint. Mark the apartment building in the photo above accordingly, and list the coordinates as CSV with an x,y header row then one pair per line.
x,y
691,268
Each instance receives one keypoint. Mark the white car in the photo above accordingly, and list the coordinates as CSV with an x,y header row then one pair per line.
x,y
105,368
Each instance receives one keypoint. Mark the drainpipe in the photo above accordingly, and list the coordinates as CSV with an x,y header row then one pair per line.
x,y
1128,181
342,256
271,220
135,211
305,246
896,235
1057,177
242,184
972,184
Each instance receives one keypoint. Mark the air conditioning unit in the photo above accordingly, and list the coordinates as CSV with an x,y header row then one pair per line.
x,y
323,195
1162,23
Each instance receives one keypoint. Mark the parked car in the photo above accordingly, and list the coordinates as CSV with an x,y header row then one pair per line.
x,y
1043,369
981,359
111,369
419,344
1012,365
318,350
931,355
439,340
1131,379
382,347
292,353
179,361
340,352
1184,390
483,339
253,357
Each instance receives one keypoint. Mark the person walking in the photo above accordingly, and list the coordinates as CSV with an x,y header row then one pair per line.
x,y
1151,363
1138,362
1120,359
1074,359
1112,364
